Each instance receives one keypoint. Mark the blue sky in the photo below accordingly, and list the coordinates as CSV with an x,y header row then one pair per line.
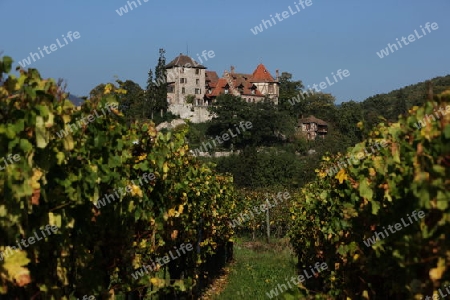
x,y
320,39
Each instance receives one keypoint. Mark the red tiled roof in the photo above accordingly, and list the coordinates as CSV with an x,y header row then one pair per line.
x,y
243,83
261,74
219,88
244,80
211,76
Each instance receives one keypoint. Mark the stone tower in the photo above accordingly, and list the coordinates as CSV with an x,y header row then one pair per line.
x,y
185,77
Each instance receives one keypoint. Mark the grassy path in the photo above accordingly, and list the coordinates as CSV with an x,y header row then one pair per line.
x,y
258,268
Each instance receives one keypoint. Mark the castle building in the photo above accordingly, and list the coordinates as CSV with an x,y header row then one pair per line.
x,y
250,87
186,79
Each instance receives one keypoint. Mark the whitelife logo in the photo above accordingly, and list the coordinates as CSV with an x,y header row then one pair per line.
x,y
225,137
165,259
27,61
441,295
124,9
443,112
16,158
31,241
341,164
319,267
90,118
398,227
172,75
411,38
285,14
320,87
128,189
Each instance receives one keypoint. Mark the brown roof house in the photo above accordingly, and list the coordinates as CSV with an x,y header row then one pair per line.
x,y
250,87
312,127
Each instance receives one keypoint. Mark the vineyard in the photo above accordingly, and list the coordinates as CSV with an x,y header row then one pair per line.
x,y
172,202
94,204
334,217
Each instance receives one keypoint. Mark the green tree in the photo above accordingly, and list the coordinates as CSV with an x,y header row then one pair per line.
x,y
348,115
269,125
150,100
289,90
400,106
97,92
132,104
320,105
156,91
159,92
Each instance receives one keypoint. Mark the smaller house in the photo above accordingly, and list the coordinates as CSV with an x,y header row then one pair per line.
x,y
312,127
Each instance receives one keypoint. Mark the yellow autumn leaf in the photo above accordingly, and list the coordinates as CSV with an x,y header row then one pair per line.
x,y
14,265
341,176
37,174
165,167
436,273
135,190
142,157
121,91
171,212
158,282
108,89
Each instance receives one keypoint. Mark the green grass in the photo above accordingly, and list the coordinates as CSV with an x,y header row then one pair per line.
x,y
258,268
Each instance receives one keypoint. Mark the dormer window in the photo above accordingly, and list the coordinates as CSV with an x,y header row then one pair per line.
x,y
253,91
226,91
241,88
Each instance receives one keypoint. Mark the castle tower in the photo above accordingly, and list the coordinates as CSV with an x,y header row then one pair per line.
x,y
185,77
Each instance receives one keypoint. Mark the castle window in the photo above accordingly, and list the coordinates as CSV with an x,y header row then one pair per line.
x,y
198,91
183,90
197,71
183,80
271,88
197,81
